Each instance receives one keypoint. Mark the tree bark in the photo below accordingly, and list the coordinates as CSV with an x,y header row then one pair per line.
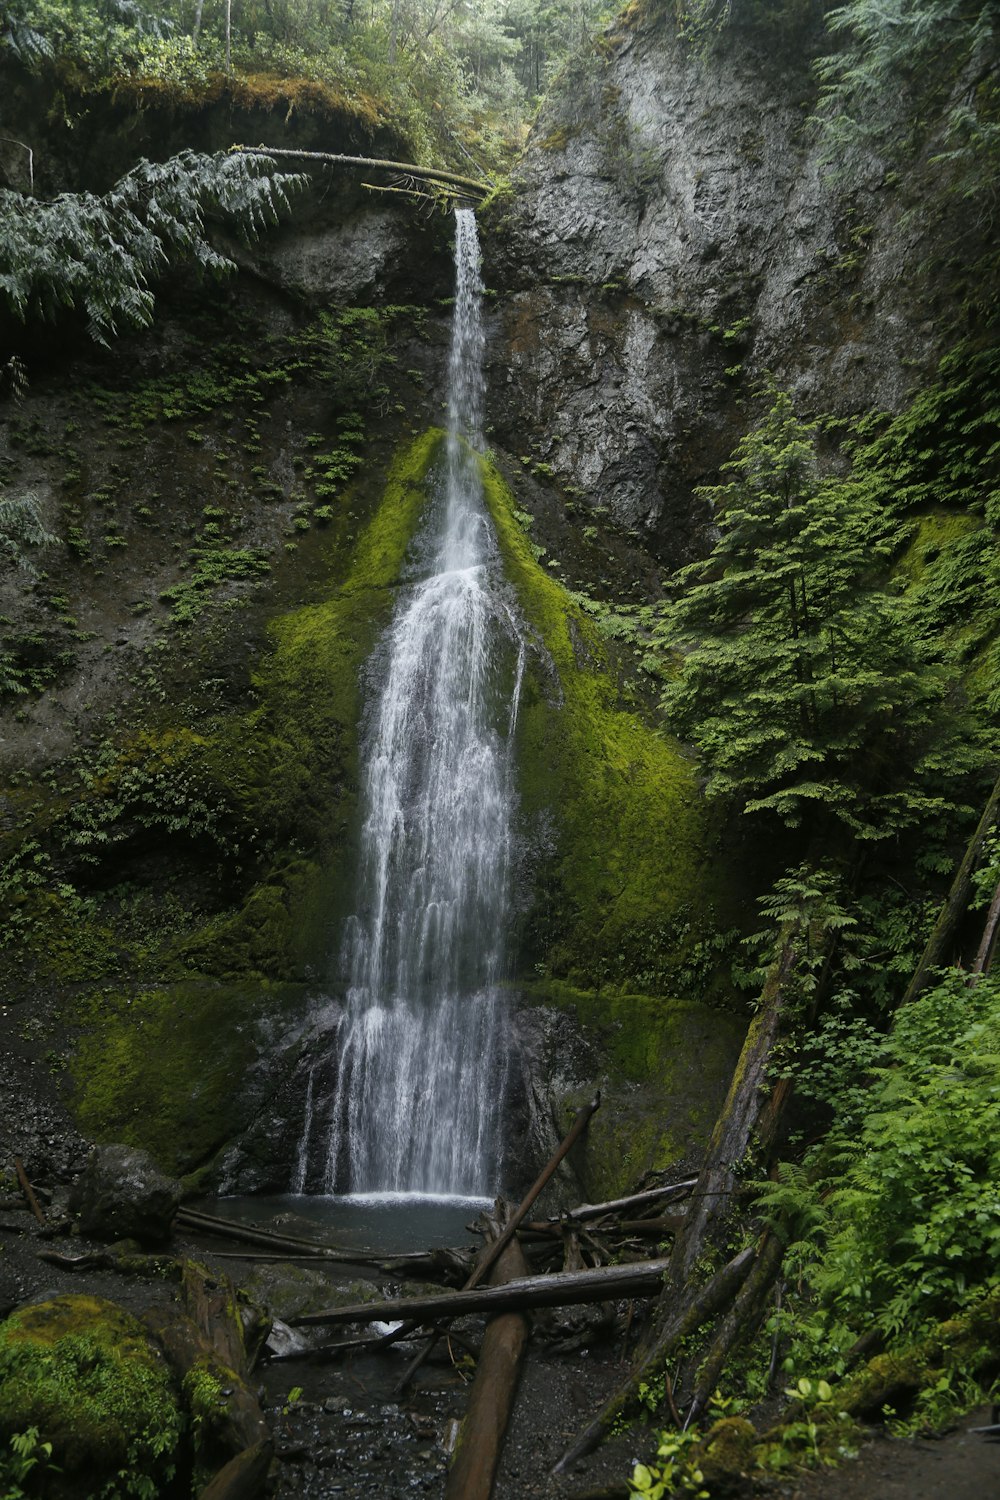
x,y
740,1322
243,1477
641,1278
747,1113
984,955
491,1400
956,903
743,1115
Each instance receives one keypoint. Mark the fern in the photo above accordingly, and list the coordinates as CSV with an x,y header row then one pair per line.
x,y
100,254
21,527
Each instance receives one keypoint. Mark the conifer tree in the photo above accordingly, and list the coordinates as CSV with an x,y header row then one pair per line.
x,y
804,686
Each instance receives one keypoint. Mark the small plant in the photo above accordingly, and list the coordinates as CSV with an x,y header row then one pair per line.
x,y
26,1453
675,1473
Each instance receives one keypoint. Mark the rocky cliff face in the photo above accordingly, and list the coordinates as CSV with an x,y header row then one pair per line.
x,y
672,238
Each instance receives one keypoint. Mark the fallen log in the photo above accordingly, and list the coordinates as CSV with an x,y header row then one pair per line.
x,y
243,1477
491,1400
633,1202
738,1123
235,1420
406,1263
740,1322
473,188
638,1279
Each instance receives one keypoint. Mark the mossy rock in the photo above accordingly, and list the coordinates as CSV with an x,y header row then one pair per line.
x,y
664,1066
167,1068
86,1374
288,1291
627,851
966,1345
727,1456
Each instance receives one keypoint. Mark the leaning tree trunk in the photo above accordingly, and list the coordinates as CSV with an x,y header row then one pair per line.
x,y
749,1113
956,902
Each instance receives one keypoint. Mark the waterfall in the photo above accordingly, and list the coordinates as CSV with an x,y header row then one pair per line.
x,y
421,1047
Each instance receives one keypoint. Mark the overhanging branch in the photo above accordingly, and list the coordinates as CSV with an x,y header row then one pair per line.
x,y
470,187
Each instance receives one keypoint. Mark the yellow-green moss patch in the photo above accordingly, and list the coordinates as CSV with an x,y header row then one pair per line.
x,y
88,1376
629,825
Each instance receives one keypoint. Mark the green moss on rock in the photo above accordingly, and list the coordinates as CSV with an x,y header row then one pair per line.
x,y
87,1375
630,832
165,1068
665,1066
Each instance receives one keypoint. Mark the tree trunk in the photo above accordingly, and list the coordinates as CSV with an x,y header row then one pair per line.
x,y
638,1279
747,1113
480,1441
984,955
407,169
935,955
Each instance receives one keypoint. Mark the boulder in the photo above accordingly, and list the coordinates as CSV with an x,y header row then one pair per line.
x,y
122,1194
87,1376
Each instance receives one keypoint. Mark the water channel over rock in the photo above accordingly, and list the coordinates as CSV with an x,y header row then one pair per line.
x,y
421,1046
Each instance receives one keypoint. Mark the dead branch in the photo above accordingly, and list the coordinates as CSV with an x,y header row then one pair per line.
x,y
28,1190
473,187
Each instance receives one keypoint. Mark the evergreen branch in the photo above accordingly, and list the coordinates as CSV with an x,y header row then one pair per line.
x,y
99,254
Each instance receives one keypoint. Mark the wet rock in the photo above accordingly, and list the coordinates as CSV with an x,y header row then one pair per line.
x,y
673,234
288,1291
122,1194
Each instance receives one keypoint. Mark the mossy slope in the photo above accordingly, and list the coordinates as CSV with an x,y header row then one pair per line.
x,y
165,1066
627,854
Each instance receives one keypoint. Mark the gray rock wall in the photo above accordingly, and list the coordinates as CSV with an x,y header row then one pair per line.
x,y
673,237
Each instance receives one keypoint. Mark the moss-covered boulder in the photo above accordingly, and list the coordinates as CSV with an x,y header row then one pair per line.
x,y
662,1064
91,1380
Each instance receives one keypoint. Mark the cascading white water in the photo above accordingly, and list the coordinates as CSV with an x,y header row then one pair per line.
x,y
422,1044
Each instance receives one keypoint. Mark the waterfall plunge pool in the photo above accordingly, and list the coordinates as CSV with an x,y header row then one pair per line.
x,y
383,1222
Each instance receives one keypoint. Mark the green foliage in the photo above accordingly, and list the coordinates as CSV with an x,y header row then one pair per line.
x,y
99,254
83,1373
896,1217
804,686
454,82
20,529
212,568
904,65
27,1452
676,1472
